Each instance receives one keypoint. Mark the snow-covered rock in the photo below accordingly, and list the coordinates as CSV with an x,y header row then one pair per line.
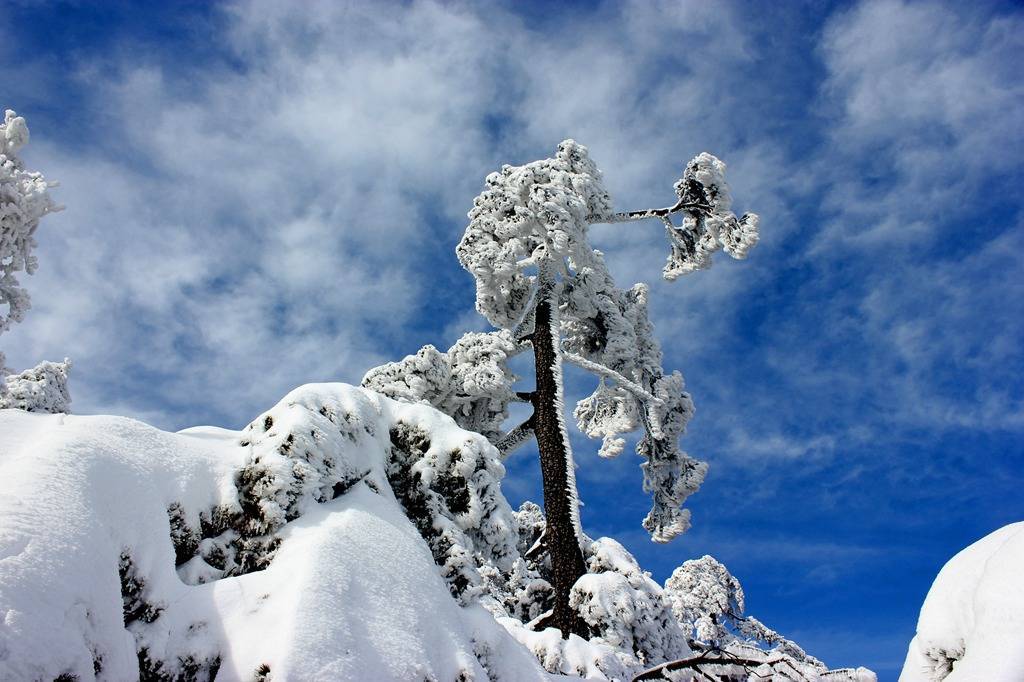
x,y
972,622
279,552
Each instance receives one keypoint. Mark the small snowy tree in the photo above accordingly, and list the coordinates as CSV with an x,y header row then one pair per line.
x,y
540,282
707,601
44,388
24,200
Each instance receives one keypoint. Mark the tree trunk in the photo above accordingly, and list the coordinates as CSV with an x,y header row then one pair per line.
x,y
560,538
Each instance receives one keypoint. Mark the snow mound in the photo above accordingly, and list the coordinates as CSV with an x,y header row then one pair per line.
x,y
972,622
284,551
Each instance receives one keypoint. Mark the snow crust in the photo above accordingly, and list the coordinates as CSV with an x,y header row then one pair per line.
x,y
972,622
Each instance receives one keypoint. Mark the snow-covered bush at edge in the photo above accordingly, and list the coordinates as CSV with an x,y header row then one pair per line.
x,y
24,200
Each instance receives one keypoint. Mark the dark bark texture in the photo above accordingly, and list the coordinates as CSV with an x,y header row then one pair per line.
x,y
560,536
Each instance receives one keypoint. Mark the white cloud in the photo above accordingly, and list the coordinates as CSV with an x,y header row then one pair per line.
x,y
927,98
237,228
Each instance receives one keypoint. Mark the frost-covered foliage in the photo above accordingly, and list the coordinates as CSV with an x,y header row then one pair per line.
x,y
44,388
24,199
707,600
526,213
708,224
471,382
971,625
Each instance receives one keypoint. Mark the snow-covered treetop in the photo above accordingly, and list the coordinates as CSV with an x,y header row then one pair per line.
x,y
705,595
24,199
526,214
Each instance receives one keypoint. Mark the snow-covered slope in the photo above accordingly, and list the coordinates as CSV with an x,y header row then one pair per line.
x,y
295,559
972,622
340,536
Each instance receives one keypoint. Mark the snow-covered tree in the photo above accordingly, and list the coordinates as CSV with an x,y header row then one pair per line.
x,y
24,200
547,290
538,278
44,388
707,601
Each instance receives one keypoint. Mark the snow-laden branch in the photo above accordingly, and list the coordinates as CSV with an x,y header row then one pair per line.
x,y
664,213
609,373
515,438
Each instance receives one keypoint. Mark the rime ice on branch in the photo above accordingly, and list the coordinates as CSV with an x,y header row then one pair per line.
x,y
541,283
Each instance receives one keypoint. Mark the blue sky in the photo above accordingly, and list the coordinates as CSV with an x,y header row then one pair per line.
x,y
263,194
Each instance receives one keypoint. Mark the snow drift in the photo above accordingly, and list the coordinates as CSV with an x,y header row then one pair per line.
x,y
972,622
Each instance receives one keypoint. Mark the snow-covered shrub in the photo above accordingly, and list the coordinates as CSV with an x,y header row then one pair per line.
x,y
471,382
708,601
630,623
307,450
44,388
24,200
624,607
971,625
453,498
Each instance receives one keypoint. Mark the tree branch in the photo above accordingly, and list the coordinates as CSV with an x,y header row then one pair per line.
x,y
597,368
523,331
515,438
630,216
